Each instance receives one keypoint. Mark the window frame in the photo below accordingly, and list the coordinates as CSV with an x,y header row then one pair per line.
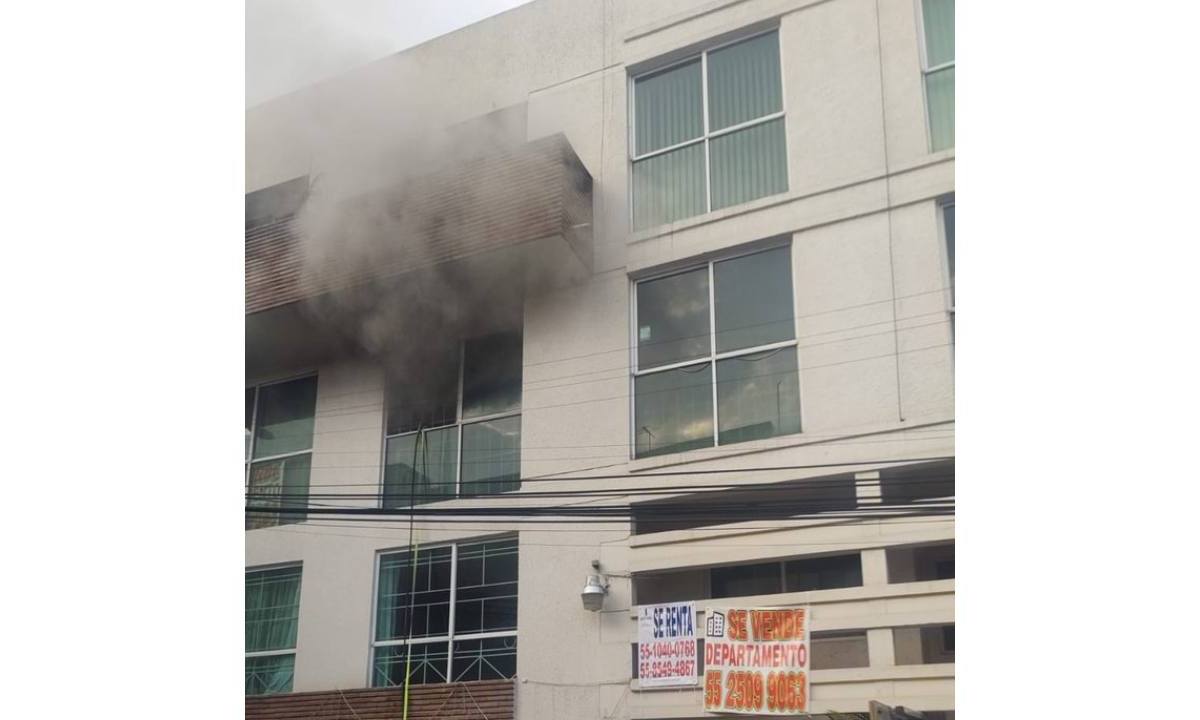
x,y
926,71
449,638
295,649
459,423
713,357
706,135
942,204
250,460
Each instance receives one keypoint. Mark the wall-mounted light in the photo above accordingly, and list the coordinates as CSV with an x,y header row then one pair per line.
x,y
594,590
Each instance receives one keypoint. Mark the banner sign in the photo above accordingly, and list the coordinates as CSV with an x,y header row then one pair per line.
x,y
667,645
756,661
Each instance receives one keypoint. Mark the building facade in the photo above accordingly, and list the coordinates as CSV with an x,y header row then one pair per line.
x,y
657,292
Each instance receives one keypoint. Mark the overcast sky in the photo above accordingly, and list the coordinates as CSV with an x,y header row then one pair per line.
x,y
291,43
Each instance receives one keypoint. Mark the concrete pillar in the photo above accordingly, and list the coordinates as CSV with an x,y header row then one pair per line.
x,y
881,650
874,567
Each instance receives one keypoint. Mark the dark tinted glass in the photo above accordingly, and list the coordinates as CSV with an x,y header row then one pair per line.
x,y
673,319
285,417
741,580
492,375
431,402
823,573
758,395
487,587
429,598
673,410
754,300
920,482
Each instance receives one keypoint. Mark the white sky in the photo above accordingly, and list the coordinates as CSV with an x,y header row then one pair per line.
x,y
292,43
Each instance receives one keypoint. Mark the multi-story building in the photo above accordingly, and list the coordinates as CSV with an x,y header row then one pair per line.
x,y
656,292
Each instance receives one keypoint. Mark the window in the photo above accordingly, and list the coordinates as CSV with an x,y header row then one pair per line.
x,y
279,436
708,132
272,617
947,212
938,26
745,580
448,613
823,573
459,431
755,391
766,578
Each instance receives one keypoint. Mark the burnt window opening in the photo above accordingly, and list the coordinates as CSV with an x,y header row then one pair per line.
x,y
456,430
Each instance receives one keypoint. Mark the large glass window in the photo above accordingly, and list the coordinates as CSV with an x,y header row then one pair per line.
x,y
279,436
736,316
458,432
708,132
272,619
938,25
446,613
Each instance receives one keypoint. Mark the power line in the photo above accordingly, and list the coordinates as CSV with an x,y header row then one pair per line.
x,y
346,525
886,513
718,452
696,490
847,437
625,371
628,348
891,464
649,513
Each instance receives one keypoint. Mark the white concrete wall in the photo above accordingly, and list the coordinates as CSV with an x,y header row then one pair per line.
x,y
868,278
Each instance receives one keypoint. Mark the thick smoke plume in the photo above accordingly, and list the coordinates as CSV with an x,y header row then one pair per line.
x,y
375,249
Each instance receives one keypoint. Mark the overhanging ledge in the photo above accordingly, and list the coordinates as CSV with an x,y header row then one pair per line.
x,y
530,207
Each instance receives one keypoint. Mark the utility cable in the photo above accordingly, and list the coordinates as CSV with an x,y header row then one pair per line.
x,y
412,585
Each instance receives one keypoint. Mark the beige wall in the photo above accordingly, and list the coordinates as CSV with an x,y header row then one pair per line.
x,y
868,278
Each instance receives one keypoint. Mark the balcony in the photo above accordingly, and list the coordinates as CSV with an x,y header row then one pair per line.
x,y
485,229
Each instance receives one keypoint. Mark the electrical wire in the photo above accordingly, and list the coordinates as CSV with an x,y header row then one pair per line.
x,y
806,486
628,348
351,410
